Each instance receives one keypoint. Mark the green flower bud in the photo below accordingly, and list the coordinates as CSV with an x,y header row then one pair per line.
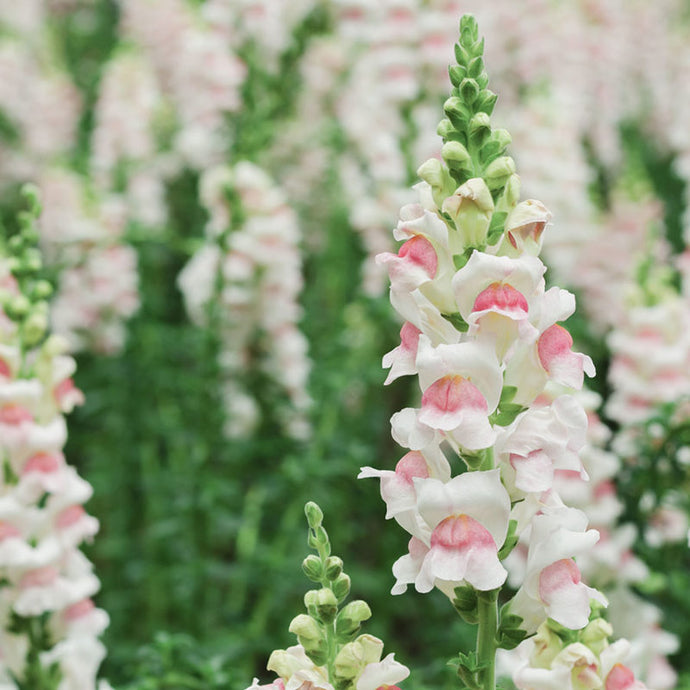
x,y
18,307
469,90
326,605
16,243
457,73
334,566
470,207
499,171
596,635
283,664
341,587
480,124
314,514
547,645
457,112
36,325
351,618
445,129
486,101
310,635
438,177
313,568
42,289
456,155
32,260
350,661
372,648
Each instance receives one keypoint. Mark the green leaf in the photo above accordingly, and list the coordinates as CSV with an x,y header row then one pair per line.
x,y
506,414
508,392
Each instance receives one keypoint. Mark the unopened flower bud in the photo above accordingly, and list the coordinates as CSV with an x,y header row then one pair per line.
x,y
469,90
445,128
547,645
457,73
596,635
18,307
326,605
314,514
311,637
456,155
479,123
349,662
456,111
42,289
499,171
438,177
372,648
32,260
341,586
283,664
351,617
334,566
36,325
313,568
470,207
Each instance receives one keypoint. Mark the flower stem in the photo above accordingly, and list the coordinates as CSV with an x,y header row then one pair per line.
x,y
486,638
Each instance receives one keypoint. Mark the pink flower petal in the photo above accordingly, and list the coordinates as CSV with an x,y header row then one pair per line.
x,y
502,298
446,402
565,596
461,549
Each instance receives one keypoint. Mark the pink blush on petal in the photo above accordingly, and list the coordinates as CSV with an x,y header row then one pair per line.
x,y
421,252
501,297
461,532
620,678
555,342
41,577
45,463
15,415
79,610
5,369
409,337
558,575
69,516
445,400
412,465
8,530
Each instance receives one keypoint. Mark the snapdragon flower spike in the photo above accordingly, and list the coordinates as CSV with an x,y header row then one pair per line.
x,y
331,654
47,583
483,336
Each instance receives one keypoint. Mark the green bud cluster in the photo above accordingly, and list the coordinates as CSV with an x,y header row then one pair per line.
x,y
328,633
29,308
471,148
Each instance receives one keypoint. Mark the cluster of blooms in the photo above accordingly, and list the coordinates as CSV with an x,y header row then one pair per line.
x,y
331,653
560,660
41,109
196,69
50,625
611,564
248,273
98,279
497,376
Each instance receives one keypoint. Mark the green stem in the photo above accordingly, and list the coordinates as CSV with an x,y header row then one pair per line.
x,y
486,638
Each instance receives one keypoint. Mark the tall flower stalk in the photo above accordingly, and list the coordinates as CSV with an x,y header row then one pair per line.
x,y
497,416
49,623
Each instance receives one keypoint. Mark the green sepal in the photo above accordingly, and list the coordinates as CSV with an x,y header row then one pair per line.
x,y
457,322
506,414
467,667
465,603
469,90
496,227
509,633
460,260
511,540
507,394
